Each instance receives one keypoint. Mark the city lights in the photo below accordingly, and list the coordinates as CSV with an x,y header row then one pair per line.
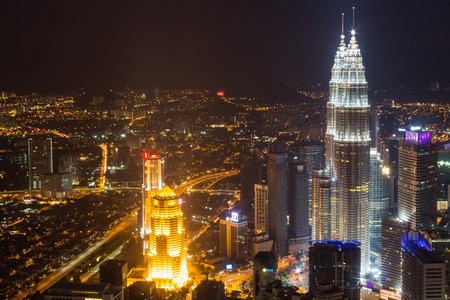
x,y
204,153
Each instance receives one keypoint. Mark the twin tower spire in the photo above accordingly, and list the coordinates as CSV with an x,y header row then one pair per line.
x,y
347,147
353,25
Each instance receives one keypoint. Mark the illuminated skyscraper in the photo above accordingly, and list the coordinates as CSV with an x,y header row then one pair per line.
x,y
166,255
261,208
391,253
312,157
40,160
153,171
348,144
153,180
278,196
233,237
379,199
298,204
423,272
417,180
321,206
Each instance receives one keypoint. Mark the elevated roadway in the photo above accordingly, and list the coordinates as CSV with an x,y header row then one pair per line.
x,y
178,190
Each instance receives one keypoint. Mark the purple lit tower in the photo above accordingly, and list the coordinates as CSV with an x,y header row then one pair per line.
x,y
417,180
348,146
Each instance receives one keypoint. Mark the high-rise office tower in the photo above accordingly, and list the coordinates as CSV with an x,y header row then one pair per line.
x,y
379,199
278,194
40,160
166,254
440,245
261,208
391,253
336,262
312,156
417,180
423,272
375,128
322,206
298,203
153,180
234,237
153,171
443,174
348,144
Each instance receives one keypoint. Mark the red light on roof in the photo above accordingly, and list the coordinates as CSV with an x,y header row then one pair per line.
x,y
145,155
220,93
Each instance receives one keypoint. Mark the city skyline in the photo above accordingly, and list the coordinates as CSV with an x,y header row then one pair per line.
x,y
150,188
61,47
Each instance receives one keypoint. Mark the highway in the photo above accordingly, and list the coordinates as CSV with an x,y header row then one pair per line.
x,y
96,268
178,190
131,220
218,176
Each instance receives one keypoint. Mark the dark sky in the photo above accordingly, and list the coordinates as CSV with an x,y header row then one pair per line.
x,y
60,46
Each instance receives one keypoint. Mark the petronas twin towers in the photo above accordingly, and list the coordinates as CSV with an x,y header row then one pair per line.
x,y
348,147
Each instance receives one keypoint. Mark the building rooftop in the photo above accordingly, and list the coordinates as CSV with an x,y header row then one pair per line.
x,y
337,243
416,244
265,258
76,288
113,263
166,192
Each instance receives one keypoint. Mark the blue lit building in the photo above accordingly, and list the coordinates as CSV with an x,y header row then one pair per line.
x,y
417,180
336,262
423,272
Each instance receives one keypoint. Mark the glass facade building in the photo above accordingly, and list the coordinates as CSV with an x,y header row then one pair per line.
x,y
417,180
379,199
348,145
336,262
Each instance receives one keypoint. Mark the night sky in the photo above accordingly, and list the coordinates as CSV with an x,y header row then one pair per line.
x,y
61,46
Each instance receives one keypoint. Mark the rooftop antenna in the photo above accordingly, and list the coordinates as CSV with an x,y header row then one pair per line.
x,y
353,26
342,33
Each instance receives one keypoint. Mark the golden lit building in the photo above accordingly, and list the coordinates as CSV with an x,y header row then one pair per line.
x,y
153,171
166,255
153,181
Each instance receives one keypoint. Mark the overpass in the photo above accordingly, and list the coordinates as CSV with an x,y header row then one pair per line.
x,y
216,192
216,176
178,190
